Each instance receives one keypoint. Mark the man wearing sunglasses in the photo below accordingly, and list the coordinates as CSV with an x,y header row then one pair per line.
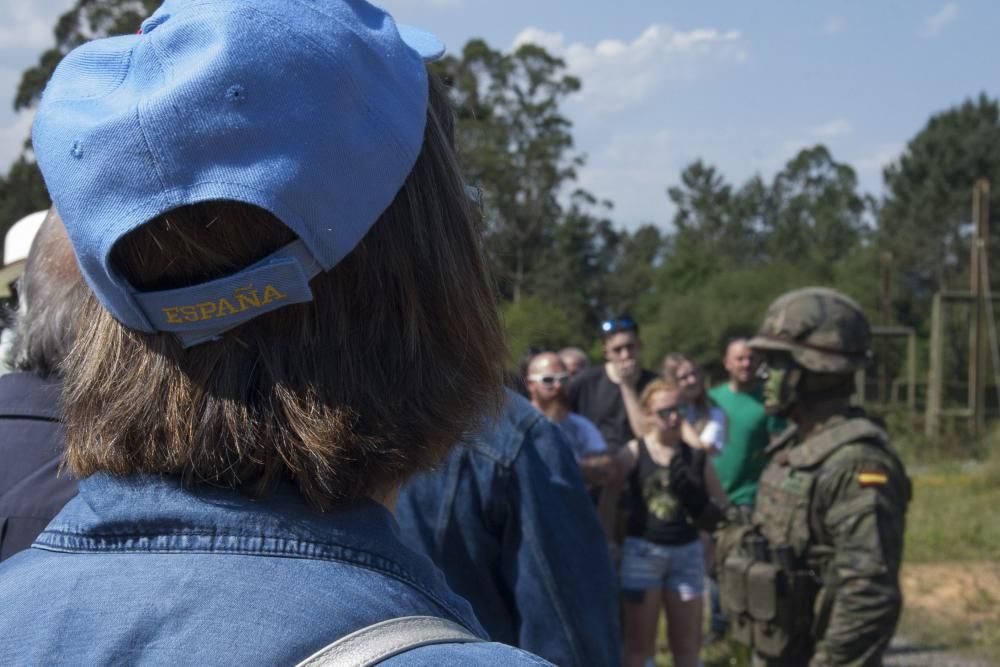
x,y
608,395
547,381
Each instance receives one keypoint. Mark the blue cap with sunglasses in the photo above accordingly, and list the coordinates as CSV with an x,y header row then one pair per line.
x,y
618,324
313,110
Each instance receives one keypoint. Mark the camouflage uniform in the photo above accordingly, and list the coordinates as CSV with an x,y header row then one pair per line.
x,y
813,578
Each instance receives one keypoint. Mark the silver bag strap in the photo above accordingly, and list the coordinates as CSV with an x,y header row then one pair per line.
x,y
375,643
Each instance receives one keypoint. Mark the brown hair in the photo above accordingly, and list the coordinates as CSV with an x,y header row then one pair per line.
x,y
50,298
395,359
671,363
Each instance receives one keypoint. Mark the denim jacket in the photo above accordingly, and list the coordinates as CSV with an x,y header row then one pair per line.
x,y
141,571
508,519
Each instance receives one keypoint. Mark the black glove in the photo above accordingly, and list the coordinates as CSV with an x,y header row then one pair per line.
x,y
687,486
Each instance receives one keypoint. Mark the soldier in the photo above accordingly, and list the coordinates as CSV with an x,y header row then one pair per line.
x,y
813,579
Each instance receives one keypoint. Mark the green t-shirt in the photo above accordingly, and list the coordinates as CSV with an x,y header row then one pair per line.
x,y
749,431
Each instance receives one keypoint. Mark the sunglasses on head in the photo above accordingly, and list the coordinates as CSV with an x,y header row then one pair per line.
x,y
549,379
616,324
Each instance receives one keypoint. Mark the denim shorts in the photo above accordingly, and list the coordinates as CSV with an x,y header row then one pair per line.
x,y
647,566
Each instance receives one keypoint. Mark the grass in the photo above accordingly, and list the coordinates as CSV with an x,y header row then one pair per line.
x,y
953,515
727,653
953,521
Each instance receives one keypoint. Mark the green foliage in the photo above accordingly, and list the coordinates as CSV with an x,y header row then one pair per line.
x,y
929,201
735,250
22,191
714,221
952,516
815,210
572,270
699,320
534,322
516,145
632,269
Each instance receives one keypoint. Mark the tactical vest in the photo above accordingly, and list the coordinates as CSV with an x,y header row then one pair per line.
x,y
774,569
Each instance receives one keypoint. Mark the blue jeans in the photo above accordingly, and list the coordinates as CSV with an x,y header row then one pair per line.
x,y
648,566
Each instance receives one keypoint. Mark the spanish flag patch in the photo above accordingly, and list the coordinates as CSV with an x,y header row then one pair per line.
x,y
872,478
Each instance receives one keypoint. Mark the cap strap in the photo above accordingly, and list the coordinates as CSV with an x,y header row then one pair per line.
x,y
201,312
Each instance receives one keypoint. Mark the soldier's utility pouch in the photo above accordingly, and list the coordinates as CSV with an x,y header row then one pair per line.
x,y
768,590
779,604
735,597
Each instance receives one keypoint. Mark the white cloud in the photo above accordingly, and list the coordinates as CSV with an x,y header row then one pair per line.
x,y
834,24
554,42
617,75
935,23
833,129
631,159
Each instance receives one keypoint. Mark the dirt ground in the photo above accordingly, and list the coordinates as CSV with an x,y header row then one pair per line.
x,y
951,616
965,591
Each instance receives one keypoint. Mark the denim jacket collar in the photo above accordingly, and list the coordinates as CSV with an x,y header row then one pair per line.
x,y
151,514
501,439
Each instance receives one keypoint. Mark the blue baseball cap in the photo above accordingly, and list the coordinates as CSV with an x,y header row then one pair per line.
x,y
313,110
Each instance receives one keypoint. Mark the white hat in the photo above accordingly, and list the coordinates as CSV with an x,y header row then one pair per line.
x,y
16,245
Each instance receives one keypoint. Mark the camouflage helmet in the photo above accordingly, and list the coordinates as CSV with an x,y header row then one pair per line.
x,y
824,330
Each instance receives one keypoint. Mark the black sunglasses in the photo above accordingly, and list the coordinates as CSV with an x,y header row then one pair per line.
x,y
667,413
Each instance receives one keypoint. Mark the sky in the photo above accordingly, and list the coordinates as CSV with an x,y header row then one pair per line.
x,y
740,84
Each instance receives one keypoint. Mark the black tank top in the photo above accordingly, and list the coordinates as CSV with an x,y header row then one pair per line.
x,y
655,513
